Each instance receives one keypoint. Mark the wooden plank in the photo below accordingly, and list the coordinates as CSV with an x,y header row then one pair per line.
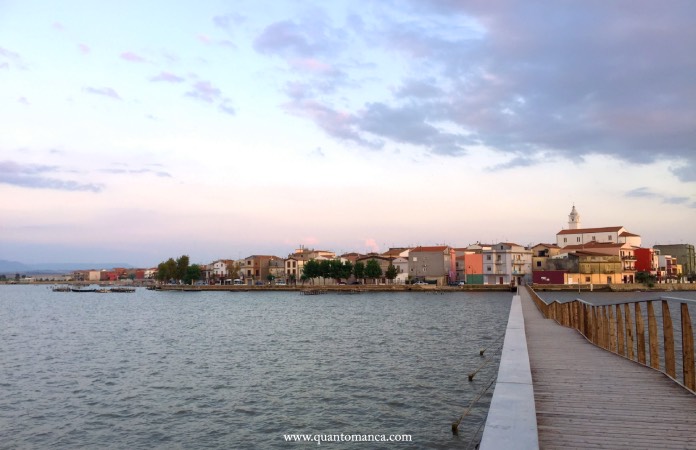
x,y
612,330
605,320
640,334
620,329
687,348
652,338
629,332
668,336
588,398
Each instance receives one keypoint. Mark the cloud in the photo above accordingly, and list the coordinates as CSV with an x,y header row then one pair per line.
x,y
32,176
12,59
371,245
23,101
228,22
204,90
644,192
84,48
226,107
167,77
105,91
159,173
528,79
132,57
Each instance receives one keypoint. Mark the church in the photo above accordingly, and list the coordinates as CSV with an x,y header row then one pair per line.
x,y
575,235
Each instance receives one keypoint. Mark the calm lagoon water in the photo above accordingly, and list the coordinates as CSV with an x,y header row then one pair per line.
x,y
240,370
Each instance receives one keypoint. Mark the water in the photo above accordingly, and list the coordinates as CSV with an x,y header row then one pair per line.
x,y
240,370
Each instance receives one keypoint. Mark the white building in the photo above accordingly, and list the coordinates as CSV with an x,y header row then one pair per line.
x,y
576,235
506,263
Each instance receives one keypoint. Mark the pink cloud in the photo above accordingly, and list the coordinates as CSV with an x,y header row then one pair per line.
x,y
132,57
84,49
205,91
312,65
168,77
371,245
105,91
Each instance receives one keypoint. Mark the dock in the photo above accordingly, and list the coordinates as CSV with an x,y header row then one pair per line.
x,y
583,396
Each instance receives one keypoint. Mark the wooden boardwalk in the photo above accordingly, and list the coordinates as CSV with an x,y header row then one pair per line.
x,y
587,397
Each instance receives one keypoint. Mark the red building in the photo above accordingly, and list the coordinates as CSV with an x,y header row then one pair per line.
x,y
645,260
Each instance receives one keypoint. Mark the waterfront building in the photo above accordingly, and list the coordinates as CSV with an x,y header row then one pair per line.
x,y
684,253
470,267
507,263
667,271
541,254
432,263
647,260
401,264
625,253
383,262
256,268
295,261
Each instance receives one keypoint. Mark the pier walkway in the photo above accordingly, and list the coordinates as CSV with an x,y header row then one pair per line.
x,y
587,397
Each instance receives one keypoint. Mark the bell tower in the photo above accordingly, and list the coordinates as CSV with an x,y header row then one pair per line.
x,y
573,219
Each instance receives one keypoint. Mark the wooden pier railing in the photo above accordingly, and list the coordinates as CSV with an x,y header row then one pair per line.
x,y
619,327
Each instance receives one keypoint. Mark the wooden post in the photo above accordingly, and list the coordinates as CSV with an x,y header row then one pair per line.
x,y
620,327
597,325
605,319
629,332
668,333
652,336
581,318
612,330
688,348
640,334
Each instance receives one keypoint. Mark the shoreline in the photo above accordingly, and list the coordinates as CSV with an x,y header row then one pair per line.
x,y
350,289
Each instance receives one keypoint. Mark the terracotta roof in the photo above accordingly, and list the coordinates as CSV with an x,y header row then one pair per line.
x,y
441,248
626,233
547,245
589,230
593,244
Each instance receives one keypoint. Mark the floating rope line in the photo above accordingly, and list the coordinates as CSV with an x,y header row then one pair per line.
x,y
455,425
485,362
473,438
492,344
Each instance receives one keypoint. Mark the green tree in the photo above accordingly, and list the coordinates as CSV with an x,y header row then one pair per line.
x,y
310,270
166,270
391,272
182,265
359,270
270,278
325,269
193,273
373,270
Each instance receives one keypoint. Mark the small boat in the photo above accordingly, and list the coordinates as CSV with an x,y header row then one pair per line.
x,y
122,289
82,290
61,289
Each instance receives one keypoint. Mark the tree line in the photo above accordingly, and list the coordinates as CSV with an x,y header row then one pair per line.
x,y
173,270
337,270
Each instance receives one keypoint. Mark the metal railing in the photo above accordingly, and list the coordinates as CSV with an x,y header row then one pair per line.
x,y
619,327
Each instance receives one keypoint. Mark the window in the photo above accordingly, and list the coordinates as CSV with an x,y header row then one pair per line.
x,y
415,259
587,279
538,263
488,257
565,239
488,268
609,237
577,239
594,238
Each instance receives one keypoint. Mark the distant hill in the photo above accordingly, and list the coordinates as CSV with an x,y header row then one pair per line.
x,y
18,267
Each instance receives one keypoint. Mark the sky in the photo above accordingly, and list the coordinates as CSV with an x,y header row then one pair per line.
x,y
135,131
